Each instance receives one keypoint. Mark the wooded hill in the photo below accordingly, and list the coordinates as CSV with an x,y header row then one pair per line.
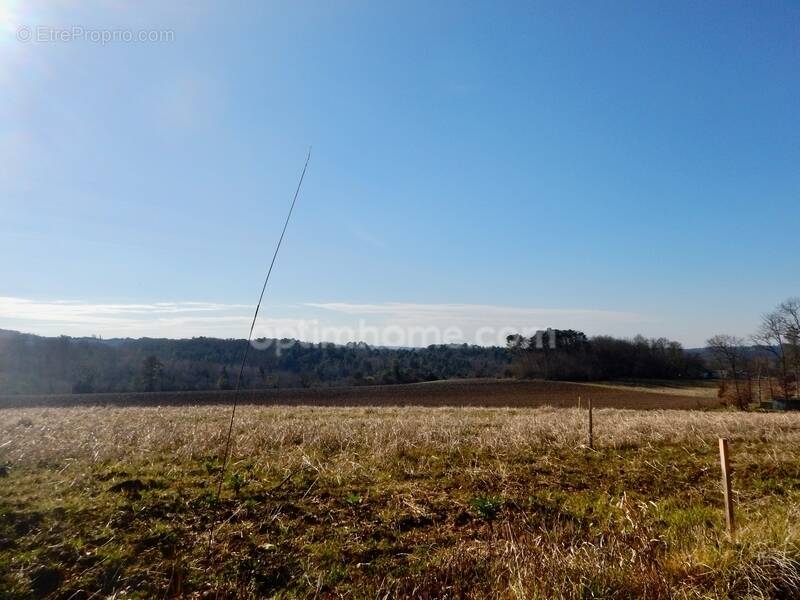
x,y
31,364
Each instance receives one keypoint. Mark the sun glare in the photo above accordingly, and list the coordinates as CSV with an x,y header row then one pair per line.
x,y
10,16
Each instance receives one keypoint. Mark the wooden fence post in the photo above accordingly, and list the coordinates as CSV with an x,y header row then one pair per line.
x,y
726,485
591,437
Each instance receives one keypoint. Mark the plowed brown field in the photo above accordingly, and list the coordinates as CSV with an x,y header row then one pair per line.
x,y
488,393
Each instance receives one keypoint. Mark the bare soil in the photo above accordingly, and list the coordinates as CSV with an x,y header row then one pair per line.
x,y
476,392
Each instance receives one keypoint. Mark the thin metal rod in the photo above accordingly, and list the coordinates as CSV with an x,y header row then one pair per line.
x,y
226,454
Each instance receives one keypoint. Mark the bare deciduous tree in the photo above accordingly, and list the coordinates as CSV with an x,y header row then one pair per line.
x,y
770,337
728,350
790,312
779,334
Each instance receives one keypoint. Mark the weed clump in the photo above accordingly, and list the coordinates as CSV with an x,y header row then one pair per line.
x,y
487,507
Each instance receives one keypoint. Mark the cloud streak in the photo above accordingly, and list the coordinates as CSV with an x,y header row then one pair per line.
x,y
161,319
389,323
482,324
475,312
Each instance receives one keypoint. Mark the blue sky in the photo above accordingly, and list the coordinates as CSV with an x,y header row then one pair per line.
x,y
619,167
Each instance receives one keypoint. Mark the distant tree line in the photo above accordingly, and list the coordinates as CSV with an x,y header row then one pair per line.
x,y
40,365
32,364
570,355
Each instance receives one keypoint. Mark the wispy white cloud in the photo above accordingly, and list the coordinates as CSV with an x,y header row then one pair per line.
x,y
475,312
484,324
58,310
390,323
180,319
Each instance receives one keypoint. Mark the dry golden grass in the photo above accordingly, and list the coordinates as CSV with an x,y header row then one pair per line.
x,y
396,502
101,433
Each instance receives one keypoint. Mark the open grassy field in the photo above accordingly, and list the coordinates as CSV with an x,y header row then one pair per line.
x,y
330,502
702,388
472,392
